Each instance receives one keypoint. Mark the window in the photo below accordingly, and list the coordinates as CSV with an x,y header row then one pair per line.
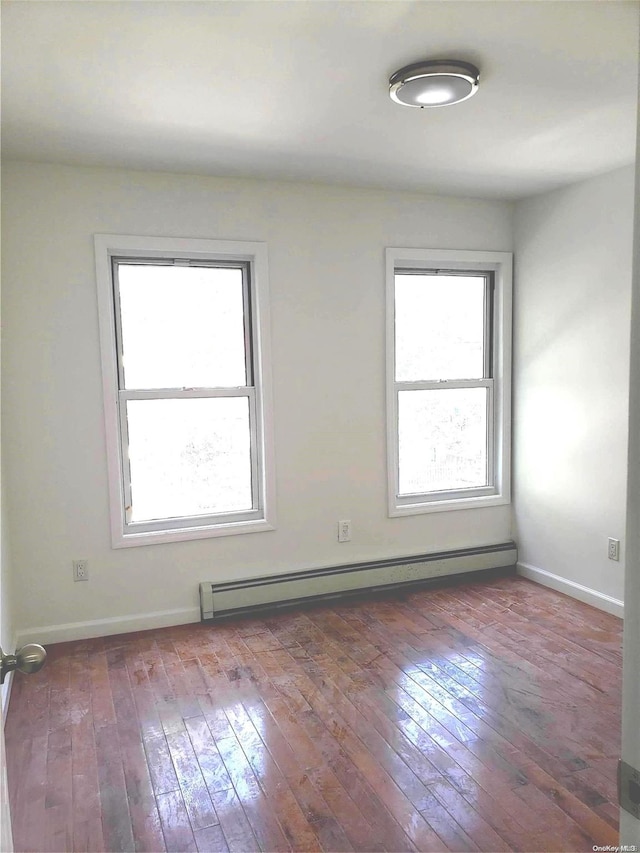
x,y
448,379
184,343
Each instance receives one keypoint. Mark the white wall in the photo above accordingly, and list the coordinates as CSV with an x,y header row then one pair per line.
x,y
327,309
7,644
7,638
629,825
571,381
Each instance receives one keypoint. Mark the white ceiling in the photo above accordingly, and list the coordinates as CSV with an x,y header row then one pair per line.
x,y
298,90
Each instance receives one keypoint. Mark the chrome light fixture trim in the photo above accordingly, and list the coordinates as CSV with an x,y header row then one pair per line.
x,y
434,83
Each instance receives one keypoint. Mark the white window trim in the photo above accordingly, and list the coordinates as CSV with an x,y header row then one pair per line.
x,y
501,264
108,246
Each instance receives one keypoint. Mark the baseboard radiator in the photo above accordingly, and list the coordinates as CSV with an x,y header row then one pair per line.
x,y
272,592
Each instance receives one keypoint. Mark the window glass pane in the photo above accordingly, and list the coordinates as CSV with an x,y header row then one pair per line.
x,y
439,327
442,439
189,457
182,327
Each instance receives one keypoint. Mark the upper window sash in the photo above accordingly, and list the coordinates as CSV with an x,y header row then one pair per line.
x,y
487,308
244,267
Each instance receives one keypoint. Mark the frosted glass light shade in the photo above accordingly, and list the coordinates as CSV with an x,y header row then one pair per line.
x,y
434,83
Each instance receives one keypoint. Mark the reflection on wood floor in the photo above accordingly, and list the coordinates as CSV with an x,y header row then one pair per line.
x,y
484,716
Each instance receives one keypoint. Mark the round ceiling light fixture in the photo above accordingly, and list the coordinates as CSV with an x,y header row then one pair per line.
x,y
434,83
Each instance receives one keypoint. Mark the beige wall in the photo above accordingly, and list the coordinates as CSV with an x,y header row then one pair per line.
x,y
326,256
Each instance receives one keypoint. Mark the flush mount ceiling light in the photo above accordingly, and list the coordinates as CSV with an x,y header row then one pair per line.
x,y
434,83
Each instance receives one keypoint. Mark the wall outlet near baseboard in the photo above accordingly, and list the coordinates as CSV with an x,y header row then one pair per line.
x,y
81,570
614,549
344,531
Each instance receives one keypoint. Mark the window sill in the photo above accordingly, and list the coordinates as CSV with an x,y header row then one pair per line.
x,y
451,505
184,534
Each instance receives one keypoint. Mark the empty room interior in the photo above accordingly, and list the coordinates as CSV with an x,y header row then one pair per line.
x,y
320,426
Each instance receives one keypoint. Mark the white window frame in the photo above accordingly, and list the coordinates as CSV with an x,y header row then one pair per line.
x,y
252,257
500,265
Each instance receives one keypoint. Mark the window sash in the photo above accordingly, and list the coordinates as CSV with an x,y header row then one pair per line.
x,y
410,498
489,356
181,522
249,391
247,312
488,310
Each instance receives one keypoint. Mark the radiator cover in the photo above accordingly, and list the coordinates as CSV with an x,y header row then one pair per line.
x,y
234,598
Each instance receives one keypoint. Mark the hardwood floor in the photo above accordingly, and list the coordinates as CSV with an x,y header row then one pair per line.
x,y
477,717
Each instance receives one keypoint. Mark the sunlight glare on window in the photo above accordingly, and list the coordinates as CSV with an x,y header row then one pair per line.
x,y
439,327
442,439
189,457
182,327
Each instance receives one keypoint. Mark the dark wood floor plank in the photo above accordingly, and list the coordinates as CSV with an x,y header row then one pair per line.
x,y
317,786
27,776
259,812
87,823
543,644
548,639
143,695
592,824
58,833
60,696
211,840
564,715
304,816
503,646
373,808
507,826
192,784
382,782
562,748
235,825
521,701
178,835
585,628
145,820
161,769
209,759
489,791
480,716
295,825
478,758
410,777
116,818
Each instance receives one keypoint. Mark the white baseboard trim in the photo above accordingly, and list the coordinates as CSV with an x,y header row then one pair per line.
x,y
106,627
575,590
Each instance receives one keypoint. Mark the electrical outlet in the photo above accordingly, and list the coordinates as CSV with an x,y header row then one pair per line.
x,y
344,531
81,570
614,549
